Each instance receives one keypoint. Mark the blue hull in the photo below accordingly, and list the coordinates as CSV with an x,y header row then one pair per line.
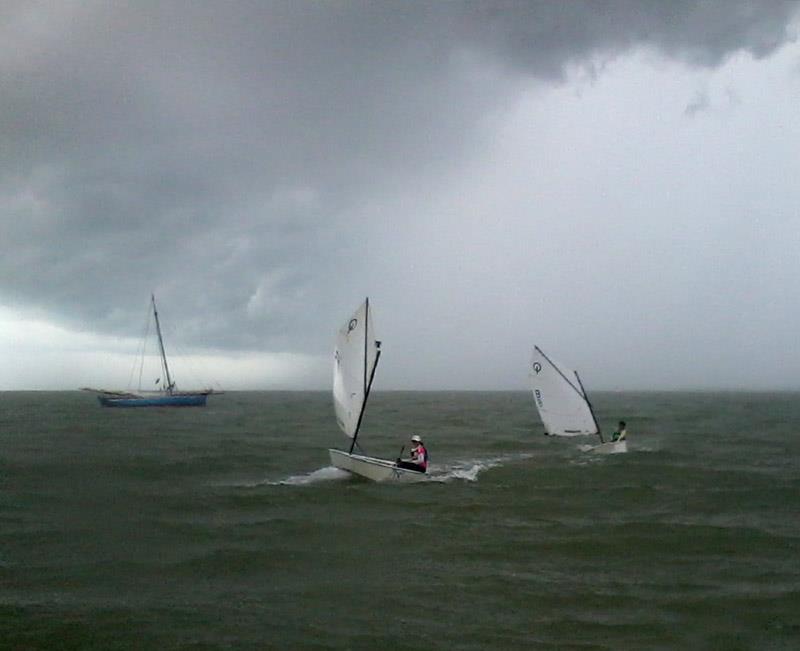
x,y
182,400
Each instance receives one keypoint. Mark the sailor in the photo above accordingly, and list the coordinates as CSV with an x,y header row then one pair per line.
x,y
419,456
621,432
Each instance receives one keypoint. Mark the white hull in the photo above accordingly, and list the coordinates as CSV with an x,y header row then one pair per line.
x,y
612,447
372,468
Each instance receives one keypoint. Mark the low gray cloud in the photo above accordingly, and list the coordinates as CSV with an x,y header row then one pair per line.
x,y
235,157
697,104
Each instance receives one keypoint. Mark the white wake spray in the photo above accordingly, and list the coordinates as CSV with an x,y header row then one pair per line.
x,y
462,470
327,473
469,469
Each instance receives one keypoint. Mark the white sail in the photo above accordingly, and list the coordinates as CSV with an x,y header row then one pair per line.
x,y
353,364
560,398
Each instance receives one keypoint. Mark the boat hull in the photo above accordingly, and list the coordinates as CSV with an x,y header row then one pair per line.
x,y
374,469
174,400
612,447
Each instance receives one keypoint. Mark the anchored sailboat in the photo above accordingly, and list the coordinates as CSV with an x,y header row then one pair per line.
x,y
563,404
166,396
355,360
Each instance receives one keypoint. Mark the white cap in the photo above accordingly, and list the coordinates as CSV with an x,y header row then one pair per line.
x,y
416,439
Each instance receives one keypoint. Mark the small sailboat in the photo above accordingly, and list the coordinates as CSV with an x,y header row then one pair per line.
x,y
166,396
355,360
563,405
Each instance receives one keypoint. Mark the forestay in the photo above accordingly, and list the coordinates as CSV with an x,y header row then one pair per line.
x,y
560,398
354,362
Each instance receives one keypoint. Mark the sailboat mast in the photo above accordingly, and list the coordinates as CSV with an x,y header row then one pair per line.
x,y
161,344
366,340
591,409
367,381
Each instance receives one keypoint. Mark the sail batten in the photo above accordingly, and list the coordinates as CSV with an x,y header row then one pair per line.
x,y
560,398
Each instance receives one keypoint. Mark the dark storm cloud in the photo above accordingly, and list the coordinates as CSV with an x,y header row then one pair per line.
x,y
540,37
222,154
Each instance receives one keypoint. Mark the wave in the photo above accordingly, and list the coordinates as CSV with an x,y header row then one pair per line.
x,y
638,448
468,470
465,470
328,473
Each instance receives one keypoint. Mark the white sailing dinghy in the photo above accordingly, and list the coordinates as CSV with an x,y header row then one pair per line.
x,y
355,360
563,405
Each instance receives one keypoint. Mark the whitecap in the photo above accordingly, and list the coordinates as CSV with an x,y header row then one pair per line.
x,y
328,473
468,470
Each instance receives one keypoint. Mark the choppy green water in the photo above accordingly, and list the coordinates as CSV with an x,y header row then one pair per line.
x,y
224,528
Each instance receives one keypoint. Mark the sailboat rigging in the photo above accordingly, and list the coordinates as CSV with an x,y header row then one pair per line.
x,y
563,403
166,395
355,362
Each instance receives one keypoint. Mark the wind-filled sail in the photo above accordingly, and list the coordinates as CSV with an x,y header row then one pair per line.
x,y
560,398
353,364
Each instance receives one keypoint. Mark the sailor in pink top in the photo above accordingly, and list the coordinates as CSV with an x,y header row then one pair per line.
x,y
419,456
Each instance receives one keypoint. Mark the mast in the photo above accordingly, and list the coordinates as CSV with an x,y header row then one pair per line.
x,y
591,409
367,382
161,345
366,340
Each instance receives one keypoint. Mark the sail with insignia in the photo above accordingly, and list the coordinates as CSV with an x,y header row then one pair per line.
x,y
560,398
355,359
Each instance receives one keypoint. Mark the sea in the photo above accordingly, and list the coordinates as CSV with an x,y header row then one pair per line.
x,y
227,528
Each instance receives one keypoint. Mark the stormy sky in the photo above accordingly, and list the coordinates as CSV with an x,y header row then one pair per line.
x,y
614,181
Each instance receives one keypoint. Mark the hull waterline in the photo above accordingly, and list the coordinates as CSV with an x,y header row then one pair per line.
x,y
372,468
174,400
612,447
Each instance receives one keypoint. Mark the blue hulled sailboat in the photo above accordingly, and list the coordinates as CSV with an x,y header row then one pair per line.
x,y
166,396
